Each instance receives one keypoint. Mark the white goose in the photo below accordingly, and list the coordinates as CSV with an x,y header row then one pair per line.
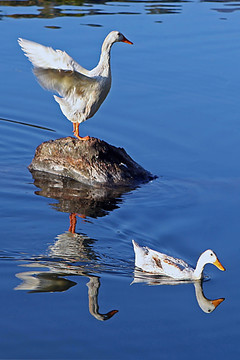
x,y
82,91
157,263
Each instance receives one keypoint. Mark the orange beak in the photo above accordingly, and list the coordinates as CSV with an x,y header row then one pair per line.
x,y
125,40
219,265
217,302
111,313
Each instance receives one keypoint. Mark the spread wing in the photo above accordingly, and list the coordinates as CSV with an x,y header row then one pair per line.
x,y
56,70
64,82
45,57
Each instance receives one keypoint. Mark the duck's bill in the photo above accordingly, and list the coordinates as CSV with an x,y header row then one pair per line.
x,y
219,265
217,301
125,40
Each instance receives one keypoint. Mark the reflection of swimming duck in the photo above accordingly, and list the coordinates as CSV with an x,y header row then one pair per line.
x,y
205,304
82,91
162,264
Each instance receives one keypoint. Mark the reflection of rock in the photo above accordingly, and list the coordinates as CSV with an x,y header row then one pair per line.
x,y
74,197
93,162
205,304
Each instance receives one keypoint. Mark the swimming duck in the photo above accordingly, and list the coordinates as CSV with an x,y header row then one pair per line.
x,y
82,91
157,263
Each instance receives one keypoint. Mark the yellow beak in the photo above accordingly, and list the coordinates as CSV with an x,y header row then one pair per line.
x,y
219,265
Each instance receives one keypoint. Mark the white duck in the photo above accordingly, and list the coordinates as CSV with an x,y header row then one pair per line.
x,y
157,263
82,91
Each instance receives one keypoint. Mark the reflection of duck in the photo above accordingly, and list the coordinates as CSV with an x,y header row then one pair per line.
x,y
82,91
36,281
162,264
70,255
205,304
73,247
93,287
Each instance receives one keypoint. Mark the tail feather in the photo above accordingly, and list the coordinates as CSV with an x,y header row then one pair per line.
x,y
65,107
135,246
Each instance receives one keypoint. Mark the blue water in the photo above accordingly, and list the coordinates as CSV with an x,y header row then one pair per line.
x,y
174,106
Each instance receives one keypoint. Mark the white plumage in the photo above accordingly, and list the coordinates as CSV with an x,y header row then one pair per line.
x,y
158,263
81,91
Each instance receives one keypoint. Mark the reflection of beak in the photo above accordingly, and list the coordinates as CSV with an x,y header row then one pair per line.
x,y
219,265
110,314
217,301
125,40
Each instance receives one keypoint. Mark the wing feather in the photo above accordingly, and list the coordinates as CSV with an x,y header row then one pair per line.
x,y
46,57
64,82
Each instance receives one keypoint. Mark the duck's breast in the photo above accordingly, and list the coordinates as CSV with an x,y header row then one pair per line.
x,y
97,95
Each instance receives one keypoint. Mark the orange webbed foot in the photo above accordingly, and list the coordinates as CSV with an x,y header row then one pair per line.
x,y
76,132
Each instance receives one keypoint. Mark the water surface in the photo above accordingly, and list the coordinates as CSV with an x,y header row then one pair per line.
x,y
174,106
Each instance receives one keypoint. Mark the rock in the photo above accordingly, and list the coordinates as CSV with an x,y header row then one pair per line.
x,y
93,162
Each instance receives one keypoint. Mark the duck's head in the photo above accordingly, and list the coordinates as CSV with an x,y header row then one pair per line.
x,y
116,36
210,257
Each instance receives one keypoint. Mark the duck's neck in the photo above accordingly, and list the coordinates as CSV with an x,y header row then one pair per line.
x,y
199,268
203,302
103,66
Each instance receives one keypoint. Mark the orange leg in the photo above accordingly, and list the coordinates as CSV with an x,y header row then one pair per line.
x,y
76,132
73,222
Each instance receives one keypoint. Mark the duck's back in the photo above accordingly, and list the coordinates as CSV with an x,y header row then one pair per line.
x,y
147,259
158,263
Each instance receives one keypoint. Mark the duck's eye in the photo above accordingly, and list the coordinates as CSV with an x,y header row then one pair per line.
x,y
211,254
